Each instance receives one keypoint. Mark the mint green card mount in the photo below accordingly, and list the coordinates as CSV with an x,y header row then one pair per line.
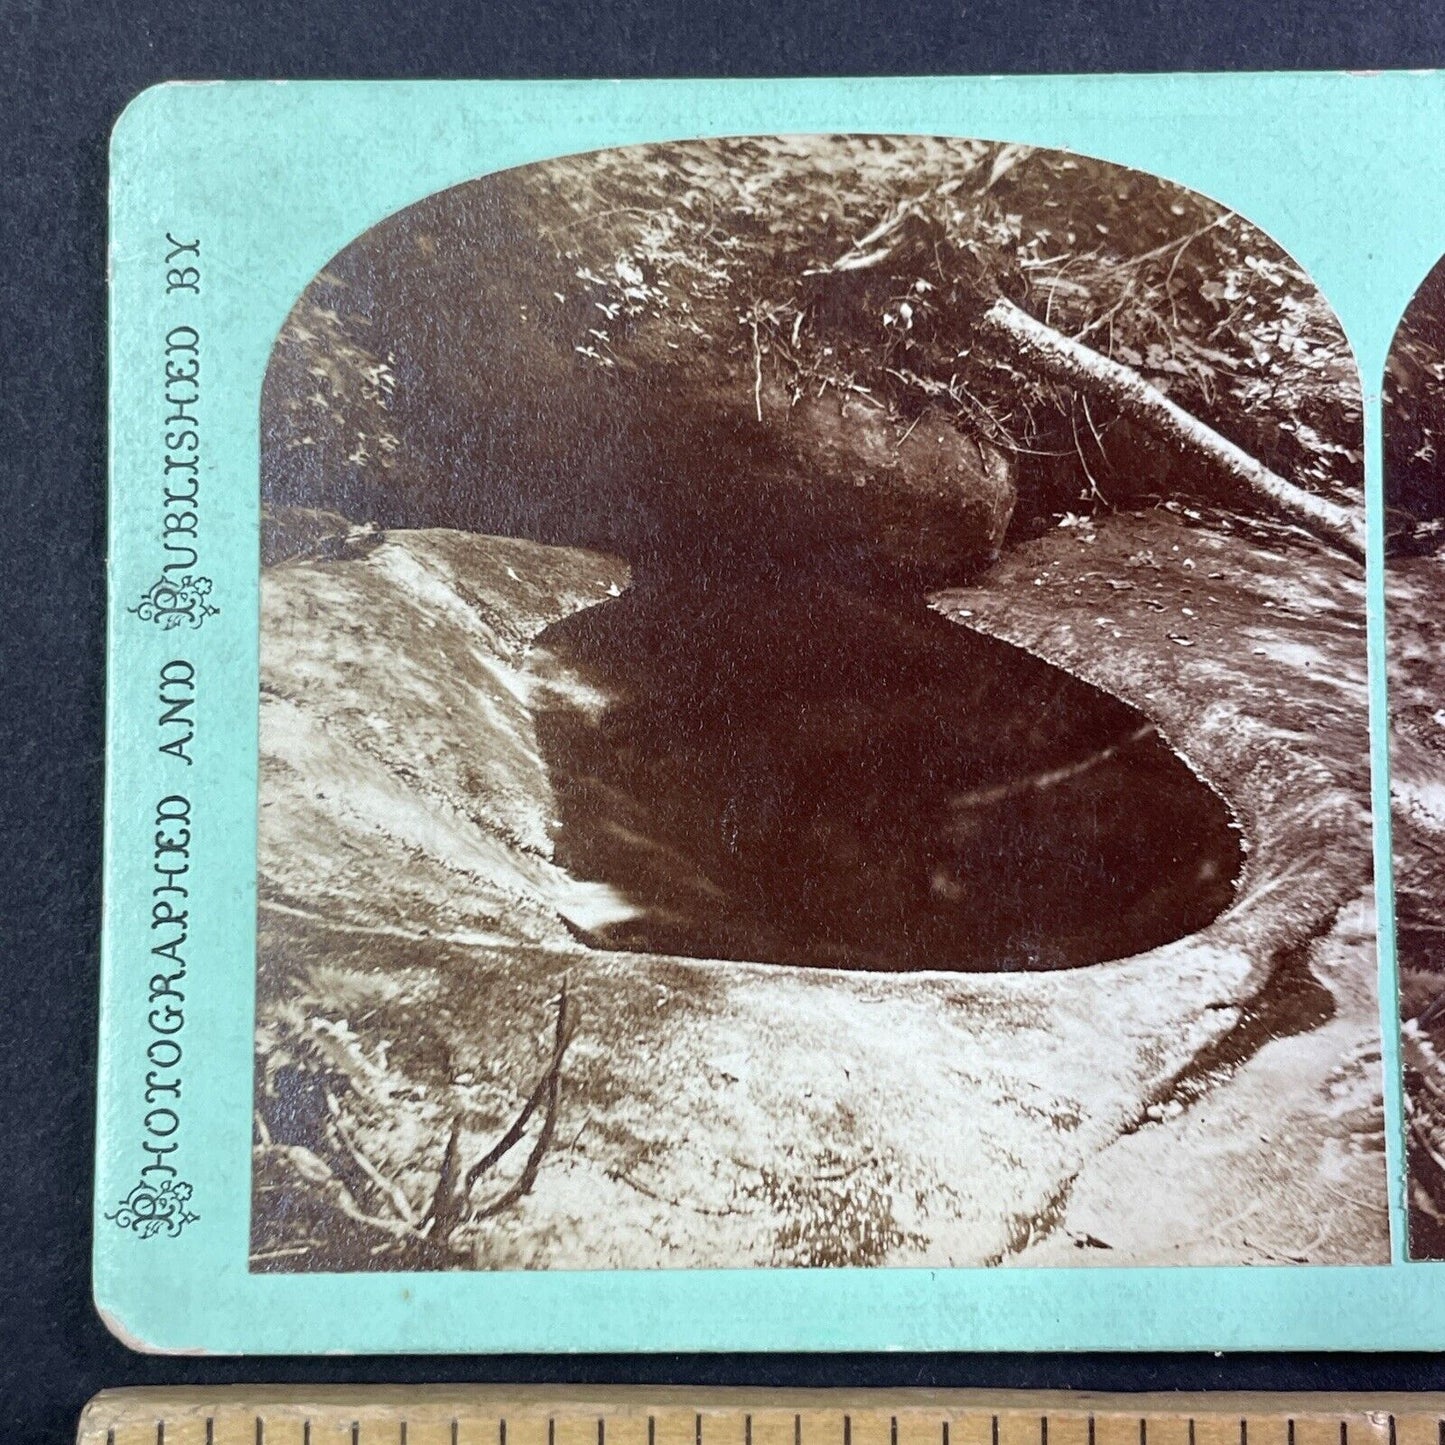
x,y
228,200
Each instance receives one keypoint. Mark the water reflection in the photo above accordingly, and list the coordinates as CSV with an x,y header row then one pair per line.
x,y
804,774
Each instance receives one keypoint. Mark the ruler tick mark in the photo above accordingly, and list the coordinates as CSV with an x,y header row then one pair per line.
x,y
847,1430
697,1430
1143,1431
260,1431
1043,1430
994,1434
945,1432
601,1431
355,1433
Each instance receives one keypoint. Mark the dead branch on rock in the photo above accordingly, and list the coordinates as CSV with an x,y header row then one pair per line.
x,y
1037,346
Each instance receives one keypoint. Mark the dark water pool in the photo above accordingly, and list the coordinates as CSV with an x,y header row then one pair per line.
x,y
807,775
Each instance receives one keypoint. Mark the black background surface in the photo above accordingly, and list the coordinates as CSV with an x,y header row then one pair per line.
x,y
66,70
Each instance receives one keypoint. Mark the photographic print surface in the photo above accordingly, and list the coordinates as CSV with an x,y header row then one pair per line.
x,y
1414,434
814,712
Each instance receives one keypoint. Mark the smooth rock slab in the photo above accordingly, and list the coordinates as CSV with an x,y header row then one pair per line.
x,y
719,1113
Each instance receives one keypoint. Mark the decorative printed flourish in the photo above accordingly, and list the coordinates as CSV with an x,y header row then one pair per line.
x,y
172,603
154,1209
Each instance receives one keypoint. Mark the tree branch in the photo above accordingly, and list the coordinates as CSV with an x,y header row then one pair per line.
x,y
1034,345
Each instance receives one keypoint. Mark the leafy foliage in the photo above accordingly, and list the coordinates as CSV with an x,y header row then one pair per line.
x,y
335,416
908,238
845,264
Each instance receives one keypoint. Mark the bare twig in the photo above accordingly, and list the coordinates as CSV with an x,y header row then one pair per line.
x,y
1179,243
757,367
352,1146
1083,460
449,1206
1034,344
961,803
623,1177
565,1030
444,1212
898,445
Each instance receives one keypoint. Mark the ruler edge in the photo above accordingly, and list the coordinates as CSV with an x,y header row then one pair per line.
x,y
129,1405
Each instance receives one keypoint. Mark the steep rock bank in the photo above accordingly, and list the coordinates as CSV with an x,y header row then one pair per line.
x,y
400,778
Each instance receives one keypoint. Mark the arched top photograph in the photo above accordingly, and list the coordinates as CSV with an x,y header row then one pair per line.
x,y
1414,482
814,713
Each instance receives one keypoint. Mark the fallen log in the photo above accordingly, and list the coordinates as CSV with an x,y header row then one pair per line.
x,y
1038,347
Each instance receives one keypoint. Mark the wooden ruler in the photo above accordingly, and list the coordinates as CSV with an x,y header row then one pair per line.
x,y
492,1415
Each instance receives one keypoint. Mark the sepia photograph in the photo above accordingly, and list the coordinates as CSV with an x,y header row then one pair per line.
x,y
1414,435
814,712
